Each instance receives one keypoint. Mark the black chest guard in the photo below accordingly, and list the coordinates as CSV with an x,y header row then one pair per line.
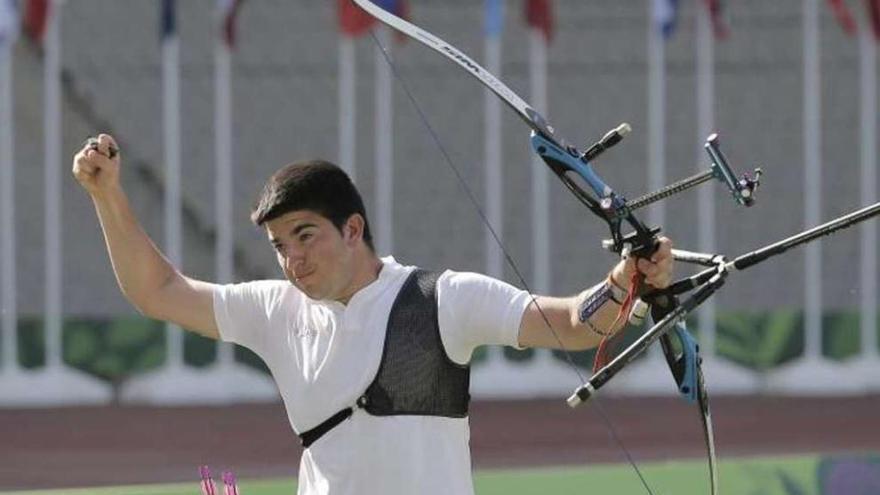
x,y
416,376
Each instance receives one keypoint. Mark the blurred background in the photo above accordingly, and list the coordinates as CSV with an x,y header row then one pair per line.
x,y
208,98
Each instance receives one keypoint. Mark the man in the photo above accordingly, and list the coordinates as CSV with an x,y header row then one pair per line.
x,y
371,356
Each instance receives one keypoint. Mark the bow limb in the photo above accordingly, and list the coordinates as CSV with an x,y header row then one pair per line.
x,y
687,370
708,432
531,117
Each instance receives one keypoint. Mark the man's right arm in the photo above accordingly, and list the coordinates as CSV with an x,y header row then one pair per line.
x,y
147,279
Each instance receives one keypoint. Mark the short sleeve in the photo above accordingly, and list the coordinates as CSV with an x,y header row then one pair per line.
x,y
243,311
475,310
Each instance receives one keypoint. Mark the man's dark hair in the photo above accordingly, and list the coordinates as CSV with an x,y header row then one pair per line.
x,y
314,185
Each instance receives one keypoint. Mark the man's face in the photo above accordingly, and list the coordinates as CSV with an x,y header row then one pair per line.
x,y
315,256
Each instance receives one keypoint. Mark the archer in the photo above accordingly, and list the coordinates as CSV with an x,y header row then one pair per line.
x,y
371,356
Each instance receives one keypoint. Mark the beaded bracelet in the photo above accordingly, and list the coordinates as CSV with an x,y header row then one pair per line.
x,y
596,331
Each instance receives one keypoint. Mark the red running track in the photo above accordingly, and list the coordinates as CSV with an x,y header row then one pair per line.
x,y
69,447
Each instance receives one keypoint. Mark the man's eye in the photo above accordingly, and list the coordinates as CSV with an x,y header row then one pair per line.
x,y
304,237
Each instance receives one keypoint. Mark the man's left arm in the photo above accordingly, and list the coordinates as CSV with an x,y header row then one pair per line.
x,y
581,321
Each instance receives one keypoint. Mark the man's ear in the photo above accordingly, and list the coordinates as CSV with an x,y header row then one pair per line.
x,y
353,230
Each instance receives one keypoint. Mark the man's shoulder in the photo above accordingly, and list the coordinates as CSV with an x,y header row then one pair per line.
x,y
459,284
462,285
262,289
266,285
452,278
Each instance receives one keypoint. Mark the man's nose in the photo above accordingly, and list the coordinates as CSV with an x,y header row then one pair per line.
x,y
294,256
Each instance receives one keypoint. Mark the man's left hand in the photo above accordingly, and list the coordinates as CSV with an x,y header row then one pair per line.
x,y
657,269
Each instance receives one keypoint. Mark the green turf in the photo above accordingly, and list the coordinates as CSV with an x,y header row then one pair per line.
x,y
246,487
752,476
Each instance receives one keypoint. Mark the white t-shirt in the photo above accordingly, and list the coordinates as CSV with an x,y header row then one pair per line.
x,y
323,356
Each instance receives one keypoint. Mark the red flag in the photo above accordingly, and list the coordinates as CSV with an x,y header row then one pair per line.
x,y
843,15
353,21
719,27
539,14
36,13
229,10
874,15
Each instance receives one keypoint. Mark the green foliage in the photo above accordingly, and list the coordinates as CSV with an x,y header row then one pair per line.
x,y
114,349
138,341
246,356
841,335
82,338
31,345
197,350
760,340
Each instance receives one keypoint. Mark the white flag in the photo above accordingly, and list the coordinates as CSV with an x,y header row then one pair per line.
x,y
9,21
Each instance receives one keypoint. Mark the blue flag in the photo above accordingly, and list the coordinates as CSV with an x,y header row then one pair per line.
x,y
396,7
665,16
494,21
9,21
167,19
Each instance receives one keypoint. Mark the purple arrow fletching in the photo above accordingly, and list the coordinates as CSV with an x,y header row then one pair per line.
x,y
208,487
229,481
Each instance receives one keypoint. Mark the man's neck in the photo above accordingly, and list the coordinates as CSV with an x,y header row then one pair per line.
x,y
366,274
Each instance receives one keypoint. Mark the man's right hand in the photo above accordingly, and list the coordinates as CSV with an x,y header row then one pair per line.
x,y
93,168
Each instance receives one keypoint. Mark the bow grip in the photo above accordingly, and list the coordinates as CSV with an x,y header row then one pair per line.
x,y
684,365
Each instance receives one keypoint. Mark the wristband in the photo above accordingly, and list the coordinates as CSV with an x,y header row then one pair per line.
x,y
601,294
618,293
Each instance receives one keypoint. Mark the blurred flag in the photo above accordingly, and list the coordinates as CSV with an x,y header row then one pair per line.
x,y
665,14
9,21
168,23
353,21
228,11
719,27
36,14
539,15
873,7
843,15
400,8
494,20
